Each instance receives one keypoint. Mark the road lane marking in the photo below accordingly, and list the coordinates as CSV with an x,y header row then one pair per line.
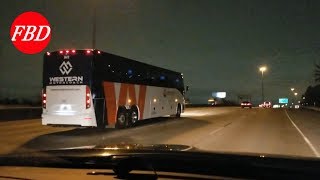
x,y
227,124
304,137
214,131
220,128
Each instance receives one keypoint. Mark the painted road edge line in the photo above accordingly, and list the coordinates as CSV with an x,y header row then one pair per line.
x,y
304,137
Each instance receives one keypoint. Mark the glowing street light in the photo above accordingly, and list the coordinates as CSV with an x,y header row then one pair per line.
x,y
262,69
295,93
292,89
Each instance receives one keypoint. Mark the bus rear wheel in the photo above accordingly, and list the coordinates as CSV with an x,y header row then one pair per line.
x,y
133,115
122,119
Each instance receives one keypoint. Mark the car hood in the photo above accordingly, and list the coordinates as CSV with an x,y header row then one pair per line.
x,y
171,158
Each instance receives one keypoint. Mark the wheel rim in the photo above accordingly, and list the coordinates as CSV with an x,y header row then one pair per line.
x,y
134,117
122,118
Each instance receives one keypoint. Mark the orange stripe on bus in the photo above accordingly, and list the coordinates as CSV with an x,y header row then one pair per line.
x,y
110,98
132,94
125,89
142,99
123,96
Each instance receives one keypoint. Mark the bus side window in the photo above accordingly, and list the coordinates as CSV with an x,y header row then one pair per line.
x,y
163,79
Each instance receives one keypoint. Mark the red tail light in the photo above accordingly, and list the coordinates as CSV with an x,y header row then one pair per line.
x,y
44,98
88,99
88,51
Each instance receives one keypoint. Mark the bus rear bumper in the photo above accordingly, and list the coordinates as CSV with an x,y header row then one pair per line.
x,y
75,120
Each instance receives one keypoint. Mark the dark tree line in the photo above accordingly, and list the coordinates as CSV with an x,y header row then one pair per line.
x,y
312,94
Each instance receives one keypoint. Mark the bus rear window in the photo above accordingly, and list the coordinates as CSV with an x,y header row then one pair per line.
x,y
59,69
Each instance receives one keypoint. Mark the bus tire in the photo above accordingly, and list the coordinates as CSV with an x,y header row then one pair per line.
x,y
133,115
178,114
122,118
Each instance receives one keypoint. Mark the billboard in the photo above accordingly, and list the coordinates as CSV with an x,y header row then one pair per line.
x,y
283,100
219,94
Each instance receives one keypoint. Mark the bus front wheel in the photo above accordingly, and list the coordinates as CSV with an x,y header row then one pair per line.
x,y
122,119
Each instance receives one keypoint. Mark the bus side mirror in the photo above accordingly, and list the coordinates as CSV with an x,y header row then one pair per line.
x,y
187,88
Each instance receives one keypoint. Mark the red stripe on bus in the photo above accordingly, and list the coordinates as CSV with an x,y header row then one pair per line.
x,y
110,98
142,99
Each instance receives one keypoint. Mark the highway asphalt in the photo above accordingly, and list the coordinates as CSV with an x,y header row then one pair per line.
x,y
292,132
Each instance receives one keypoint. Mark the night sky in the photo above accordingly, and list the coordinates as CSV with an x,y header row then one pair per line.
x,y
217,45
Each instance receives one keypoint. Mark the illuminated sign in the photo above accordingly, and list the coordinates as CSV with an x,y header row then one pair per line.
x,y
219,94
283,100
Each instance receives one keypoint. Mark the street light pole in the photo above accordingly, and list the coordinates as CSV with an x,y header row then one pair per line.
x,y
94,26
262,69
293,98
262,87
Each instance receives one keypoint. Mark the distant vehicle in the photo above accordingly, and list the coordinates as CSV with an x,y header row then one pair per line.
x,y
246,104
98,89
211,102
267,104
276,106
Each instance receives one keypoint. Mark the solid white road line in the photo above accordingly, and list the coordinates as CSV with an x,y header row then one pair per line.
x,y
304,137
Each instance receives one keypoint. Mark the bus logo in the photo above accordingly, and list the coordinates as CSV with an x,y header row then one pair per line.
x,y
65,68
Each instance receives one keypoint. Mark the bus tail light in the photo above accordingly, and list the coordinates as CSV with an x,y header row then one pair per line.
x,y
44,98
88,100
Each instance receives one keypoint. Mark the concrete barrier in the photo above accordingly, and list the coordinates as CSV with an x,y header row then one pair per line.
x,y
311,108
20,113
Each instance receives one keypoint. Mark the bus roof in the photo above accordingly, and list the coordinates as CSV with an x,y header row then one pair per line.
x,y
96,51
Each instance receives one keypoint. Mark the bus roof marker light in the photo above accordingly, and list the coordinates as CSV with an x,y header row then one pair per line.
x,y
67,51
73,51
48,53
60,52
99,52
88,51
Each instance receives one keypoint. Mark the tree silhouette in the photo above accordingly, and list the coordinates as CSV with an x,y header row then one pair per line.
x,y
317,73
